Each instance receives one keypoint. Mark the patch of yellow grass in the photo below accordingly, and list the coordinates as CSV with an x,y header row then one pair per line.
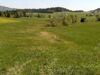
x,y
53,39
17,69
7,20
49,36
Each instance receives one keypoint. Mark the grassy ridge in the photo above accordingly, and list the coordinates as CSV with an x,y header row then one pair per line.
x,y
29,48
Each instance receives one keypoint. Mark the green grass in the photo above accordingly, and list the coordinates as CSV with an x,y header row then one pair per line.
x,y
29,48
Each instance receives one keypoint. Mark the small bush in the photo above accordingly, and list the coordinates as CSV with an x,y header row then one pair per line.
x,y
98,17
64,21
49,16
83,20
40,15
51,23
57,21
72,19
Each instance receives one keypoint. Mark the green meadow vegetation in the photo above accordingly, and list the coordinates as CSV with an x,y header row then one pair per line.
x,y
50,44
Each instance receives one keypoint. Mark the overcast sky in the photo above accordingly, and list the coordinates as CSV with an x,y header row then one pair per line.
x,y
70,4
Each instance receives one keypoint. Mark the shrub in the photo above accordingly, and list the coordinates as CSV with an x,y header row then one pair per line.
x,y
49,16
83,20
51,23
8,15
40,15
57,21
72,18
64,21
98,17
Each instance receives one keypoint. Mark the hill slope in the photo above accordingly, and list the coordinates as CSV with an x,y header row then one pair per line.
x,y
96,10
3,8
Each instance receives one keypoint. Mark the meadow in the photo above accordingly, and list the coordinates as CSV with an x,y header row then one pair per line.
x,y
28,47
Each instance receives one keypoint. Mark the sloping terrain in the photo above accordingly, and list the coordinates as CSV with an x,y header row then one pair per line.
x,y
3,8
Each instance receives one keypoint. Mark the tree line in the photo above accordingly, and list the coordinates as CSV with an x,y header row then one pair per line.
x,y
28,12
16,13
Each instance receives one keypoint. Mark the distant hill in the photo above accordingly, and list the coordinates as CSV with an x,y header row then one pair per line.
x,y
41,10
52,9
3,8
78,11
58,9
96,10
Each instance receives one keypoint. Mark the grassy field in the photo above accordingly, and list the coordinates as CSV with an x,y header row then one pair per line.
x,y
27,47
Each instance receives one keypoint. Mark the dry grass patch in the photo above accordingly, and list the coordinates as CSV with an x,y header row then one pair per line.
x,y
49,36
17,69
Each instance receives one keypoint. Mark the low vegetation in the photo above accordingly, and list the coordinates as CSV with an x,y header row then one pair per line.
x,y
59,43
